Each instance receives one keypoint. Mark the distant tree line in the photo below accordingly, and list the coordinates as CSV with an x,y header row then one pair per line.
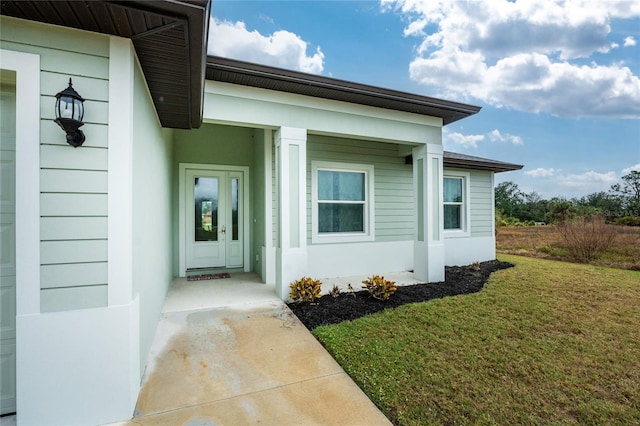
x,y
619,205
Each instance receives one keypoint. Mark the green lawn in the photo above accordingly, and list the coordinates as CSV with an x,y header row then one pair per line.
x,y
544,342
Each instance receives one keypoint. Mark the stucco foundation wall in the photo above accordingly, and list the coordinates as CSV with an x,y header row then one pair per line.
x,y
341,260
73,182
75,367
152,160
465,251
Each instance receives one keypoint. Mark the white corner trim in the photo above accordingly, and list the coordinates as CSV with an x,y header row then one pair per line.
x,y
370,226
27,69
120,172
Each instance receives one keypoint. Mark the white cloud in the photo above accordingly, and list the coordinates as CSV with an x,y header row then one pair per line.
x,y
629,42
471,141
468,141
521,54
588,182
630,169
281,49
496,136
540,172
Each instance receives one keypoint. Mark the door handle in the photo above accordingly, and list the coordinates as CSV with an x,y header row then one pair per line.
x,y
223,230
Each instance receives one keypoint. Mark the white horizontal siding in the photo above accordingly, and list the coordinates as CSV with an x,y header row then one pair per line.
x,y
73,205
68,298
65,157
73,251
393,182
72,228
74,274
73,181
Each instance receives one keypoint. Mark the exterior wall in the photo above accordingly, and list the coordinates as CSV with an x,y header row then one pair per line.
x,y
211,144
73,182
480,243
77,321
152,205
392,249
393,182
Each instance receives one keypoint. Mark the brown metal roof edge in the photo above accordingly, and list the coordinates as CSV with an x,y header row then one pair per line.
x,y
376,96
477,163
196,13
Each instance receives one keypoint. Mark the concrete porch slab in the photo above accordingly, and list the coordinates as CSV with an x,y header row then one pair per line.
x,y
243,364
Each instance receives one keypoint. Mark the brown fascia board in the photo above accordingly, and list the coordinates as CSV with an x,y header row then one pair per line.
x,y
453,159
268,77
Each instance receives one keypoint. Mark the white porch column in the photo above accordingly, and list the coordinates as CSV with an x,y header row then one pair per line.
x,y
428,257
291,170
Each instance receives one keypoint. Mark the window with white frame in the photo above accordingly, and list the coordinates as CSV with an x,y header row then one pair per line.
x,y
454,203
342,202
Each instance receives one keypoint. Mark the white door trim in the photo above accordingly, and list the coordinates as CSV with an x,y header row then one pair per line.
x,y
182,237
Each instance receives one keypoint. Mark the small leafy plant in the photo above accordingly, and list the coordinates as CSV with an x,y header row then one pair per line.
x,y
305,289
379,288
335,291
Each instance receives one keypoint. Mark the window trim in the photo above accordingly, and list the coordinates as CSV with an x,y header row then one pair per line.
x,y
369,204
465,220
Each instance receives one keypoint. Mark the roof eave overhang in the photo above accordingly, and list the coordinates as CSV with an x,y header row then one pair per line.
x,y
268,77
492,166
174,70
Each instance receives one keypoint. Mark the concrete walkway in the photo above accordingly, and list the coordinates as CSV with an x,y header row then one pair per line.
x,y
248,362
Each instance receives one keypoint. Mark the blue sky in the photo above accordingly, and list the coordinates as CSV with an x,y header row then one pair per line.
x,y
558,81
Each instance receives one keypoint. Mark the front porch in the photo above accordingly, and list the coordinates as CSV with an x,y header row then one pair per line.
x,y
229,351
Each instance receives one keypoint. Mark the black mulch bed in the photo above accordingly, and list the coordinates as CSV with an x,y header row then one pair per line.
x,y
458,280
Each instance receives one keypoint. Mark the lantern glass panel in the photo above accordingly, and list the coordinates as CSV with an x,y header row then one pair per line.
x,y
78,109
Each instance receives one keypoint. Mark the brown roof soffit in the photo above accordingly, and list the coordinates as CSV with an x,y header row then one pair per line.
x,y
196,13
177,28
268,77
453,159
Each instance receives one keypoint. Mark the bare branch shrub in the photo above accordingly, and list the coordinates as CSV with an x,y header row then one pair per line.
x,y
587,236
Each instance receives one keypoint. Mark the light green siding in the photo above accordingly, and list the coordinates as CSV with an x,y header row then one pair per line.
x,y
393,182
73,181
481,199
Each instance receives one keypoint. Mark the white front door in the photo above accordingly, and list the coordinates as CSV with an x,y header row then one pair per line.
x,y
214,231
7,250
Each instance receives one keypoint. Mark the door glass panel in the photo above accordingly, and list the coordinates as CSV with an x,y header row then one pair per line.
x,y
234,209
206,208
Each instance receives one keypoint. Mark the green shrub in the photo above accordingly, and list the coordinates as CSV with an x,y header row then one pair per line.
x,y
379,288
628,221
305,289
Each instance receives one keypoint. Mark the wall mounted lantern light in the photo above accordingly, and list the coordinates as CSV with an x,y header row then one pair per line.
x,y
69,114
